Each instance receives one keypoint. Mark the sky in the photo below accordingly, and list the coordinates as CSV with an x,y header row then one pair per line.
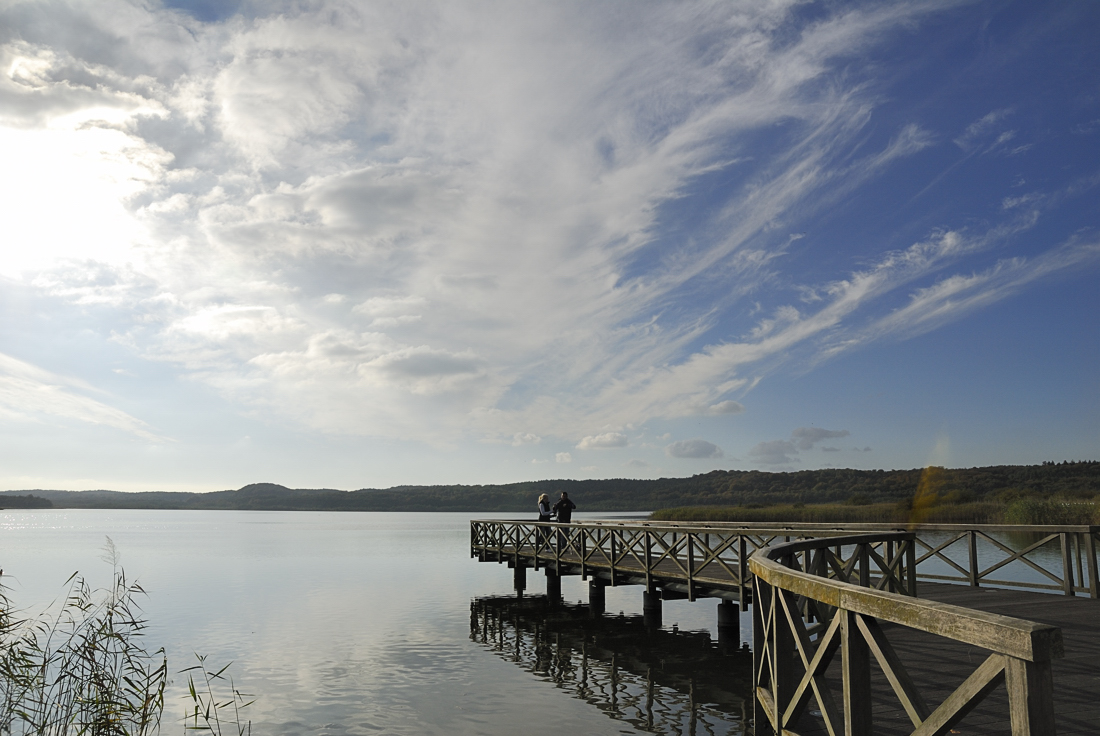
x,y
367,244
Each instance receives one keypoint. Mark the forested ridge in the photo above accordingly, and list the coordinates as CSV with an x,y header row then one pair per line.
x,y
716,488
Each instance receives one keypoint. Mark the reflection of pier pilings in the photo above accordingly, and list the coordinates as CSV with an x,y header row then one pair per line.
x,y
658,681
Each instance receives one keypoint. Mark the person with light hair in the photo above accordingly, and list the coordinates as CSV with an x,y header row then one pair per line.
x,y
541,533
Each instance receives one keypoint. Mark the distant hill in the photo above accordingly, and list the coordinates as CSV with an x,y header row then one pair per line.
x,y
717,488
12,501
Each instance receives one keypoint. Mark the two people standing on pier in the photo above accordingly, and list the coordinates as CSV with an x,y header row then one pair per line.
x,y
563,508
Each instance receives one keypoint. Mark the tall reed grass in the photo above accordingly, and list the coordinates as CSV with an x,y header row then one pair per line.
x,y
1020,511
84,670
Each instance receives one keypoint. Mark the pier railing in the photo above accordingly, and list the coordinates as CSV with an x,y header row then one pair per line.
x,y
712,558
808,605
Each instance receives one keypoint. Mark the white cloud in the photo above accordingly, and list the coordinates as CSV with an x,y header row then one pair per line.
x,y
726,407
563,457
447,223
525,438
955,296
603,441
28,393
981,128
696,449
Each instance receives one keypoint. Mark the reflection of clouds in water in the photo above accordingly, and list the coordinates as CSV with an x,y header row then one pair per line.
x,y
414,686
327,626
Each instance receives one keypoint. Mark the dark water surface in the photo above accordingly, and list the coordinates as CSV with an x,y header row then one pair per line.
x,y
380,623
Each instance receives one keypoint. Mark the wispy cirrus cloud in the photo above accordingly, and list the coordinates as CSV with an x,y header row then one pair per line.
x,y
465,221
28,393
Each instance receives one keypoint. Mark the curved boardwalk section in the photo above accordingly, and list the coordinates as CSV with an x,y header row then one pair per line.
x,y
841,643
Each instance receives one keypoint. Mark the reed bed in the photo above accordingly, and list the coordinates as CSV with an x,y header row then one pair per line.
x,y
1020,511
85,670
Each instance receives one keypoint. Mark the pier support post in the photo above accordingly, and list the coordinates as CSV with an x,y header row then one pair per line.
x,y
519,577
597,597
553,587
729,626
651,609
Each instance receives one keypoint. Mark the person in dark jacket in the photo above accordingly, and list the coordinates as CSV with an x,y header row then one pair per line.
x,y
564,508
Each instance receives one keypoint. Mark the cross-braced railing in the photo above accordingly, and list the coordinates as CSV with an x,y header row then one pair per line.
x,y
693,561
704,558
815,597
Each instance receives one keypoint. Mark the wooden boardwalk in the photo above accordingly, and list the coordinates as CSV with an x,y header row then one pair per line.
x,y
962,659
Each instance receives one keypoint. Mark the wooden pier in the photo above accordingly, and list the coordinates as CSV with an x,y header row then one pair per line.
x,y
967,656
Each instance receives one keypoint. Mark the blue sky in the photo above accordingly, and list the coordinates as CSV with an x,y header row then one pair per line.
x,y
367,244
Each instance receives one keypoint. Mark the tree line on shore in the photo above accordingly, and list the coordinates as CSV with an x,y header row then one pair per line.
x,y
743,489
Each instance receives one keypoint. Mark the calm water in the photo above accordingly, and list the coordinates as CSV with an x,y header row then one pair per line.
x,y
372,623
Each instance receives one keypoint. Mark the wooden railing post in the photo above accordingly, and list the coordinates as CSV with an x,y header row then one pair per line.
x,y
557,550
1030,697
1077,554
856,677
892,585
911,566
611,544
584,553
1090,552
742,572
762,716
648,543
689,538
784,652
1067,564
540,538
972,549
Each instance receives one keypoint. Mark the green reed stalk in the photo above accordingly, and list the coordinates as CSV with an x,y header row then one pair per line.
x,y
86,672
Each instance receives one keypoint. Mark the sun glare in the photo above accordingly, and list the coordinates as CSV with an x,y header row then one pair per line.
x,y
65,191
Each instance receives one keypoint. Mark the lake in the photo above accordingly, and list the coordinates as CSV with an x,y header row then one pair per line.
x,y
381,623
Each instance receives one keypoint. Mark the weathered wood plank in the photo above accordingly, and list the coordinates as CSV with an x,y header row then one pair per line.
x,y
989,675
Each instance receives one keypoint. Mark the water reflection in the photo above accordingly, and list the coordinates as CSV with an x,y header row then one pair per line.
x,y
658,681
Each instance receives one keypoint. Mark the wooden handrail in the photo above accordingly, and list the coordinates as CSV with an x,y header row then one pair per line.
x,y
957,553
802,617
839,527
1002,634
